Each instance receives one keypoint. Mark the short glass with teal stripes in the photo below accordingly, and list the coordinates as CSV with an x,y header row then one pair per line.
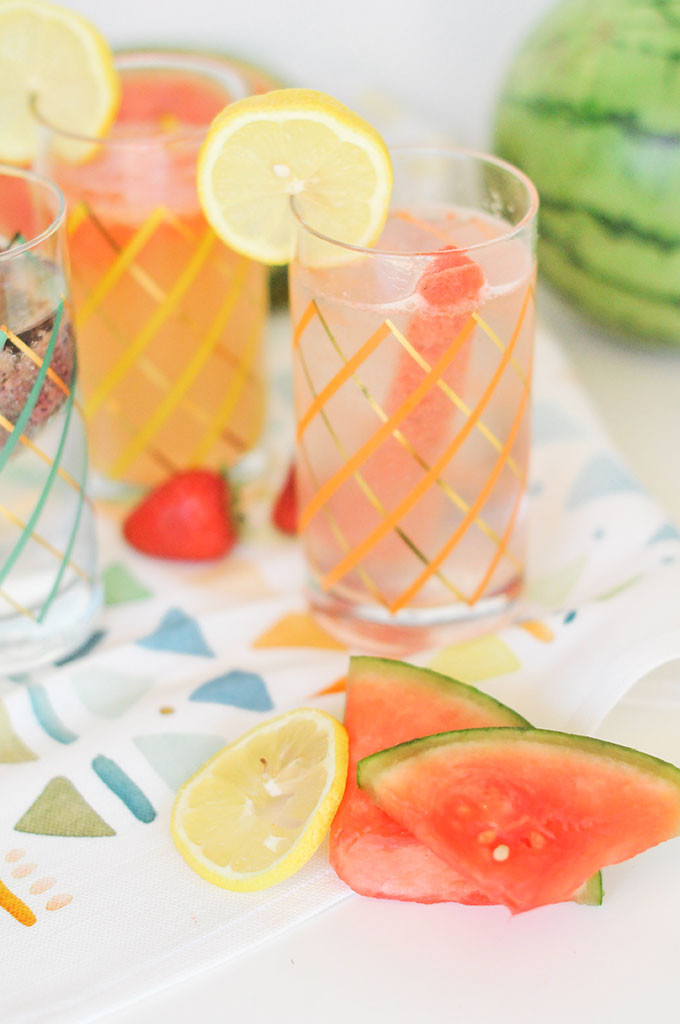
x,y
49,587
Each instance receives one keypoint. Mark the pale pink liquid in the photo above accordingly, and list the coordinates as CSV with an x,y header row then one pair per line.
x,y
488,466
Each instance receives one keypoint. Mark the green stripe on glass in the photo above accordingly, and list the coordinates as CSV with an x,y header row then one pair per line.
x,y
72,539
44,495
34,394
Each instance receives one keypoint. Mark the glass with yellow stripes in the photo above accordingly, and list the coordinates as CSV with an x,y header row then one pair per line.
x,y
49,590
170,321
412,373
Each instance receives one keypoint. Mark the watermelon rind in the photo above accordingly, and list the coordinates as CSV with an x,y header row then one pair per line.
x,y
369,768
447,686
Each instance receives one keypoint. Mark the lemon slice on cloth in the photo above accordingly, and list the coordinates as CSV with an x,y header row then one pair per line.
x,y
258,810
262,150
55,58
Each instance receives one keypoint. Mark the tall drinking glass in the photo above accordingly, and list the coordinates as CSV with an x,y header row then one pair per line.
x,y
412,375
170,321
49,592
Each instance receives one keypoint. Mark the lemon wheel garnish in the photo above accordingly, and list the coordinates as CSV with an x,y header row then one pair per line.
x,y
262,150
258,810
56,59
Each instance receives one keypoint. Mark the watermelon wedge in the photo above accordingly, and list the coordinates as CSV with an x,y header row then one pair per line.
x,y
389,702
525,815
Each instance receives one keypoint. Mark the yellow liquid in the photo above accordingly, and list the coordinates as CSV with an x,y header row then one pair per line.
x,y
169,348
169,321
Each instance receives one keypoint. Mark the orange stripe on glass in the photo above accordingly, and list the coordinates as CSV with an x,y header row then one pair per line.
x,y
424,484
185,379
430,380
505,540
125,258
10,902
164,310
432,568
345,373
303,323
451,394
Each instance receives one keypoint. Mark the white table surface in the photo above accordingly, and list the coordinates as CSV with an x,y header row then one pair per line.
x,y
376,960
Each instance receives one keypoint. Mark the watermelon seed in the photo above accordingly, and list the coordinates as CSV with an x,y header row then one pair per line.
x,y
501,852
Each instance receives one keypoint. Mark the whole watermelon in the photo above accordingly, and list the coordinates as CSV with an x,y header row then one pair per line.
x,y
591,111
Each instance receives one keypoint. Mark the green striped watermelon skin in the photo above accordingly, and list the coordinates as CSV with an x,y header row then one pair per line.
x,y
590,110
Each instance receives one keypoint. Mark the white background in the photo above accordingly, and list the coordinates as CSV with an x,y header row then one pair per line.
x,y
444,58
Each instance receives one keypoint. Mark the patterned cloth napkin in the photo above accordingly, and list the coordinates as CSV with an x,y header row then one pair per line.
x,y
93,749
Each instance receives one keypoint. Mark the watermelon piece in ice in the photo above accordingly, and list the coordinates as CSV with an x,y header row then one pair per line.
x,y
526,815
452,288
389,702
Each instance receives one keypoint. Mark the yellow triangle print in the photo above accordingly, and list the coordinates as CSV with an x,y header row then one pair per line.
x,y
475,660
299,629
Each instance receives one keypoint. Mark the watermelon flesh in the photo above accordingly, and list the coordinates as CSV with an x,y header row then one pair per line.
x,y
389,702
525,815
451,287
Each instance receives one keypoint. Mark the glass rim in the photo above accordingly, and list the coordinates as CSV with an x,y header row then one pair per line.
x,y
446,152
8,171
211,65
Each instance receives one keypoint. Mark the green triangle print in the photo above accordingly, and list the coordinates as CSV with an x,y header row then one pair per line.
x,y
12,748
60,810
121,587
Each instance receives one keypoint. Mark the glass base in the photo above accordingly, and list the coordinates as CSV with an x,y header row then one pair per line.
x,y
26,644
374,630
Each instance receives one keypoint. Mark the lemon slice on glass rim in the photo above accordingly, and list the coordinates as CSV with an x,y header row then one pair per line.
x,y
54,59
292,143
258,810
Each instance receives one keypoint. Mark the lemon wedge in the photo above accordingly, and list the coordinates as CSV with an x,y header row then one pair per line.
x,y
54,58
258,810
263,150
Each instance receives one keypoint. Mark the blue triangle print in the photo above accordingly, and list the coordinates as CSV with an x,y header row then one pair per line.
x,y
237,688
550,424
178,633
665,532
176,756
599,477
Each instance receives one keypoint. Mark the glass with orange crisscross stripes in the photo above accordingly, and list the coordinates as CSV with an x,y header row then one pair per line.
x,y
412,373
170,321
49,590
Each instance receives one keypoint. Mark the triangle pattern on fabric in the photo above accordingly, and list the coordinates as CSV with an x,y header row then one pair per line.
x,y
121,587
599,477
177,633
475,660
298,629
13,750
60,810
238,688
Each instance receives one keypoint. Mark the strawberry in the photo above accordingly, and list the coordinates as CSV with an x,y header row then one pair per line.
x,y
190,516
284,513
